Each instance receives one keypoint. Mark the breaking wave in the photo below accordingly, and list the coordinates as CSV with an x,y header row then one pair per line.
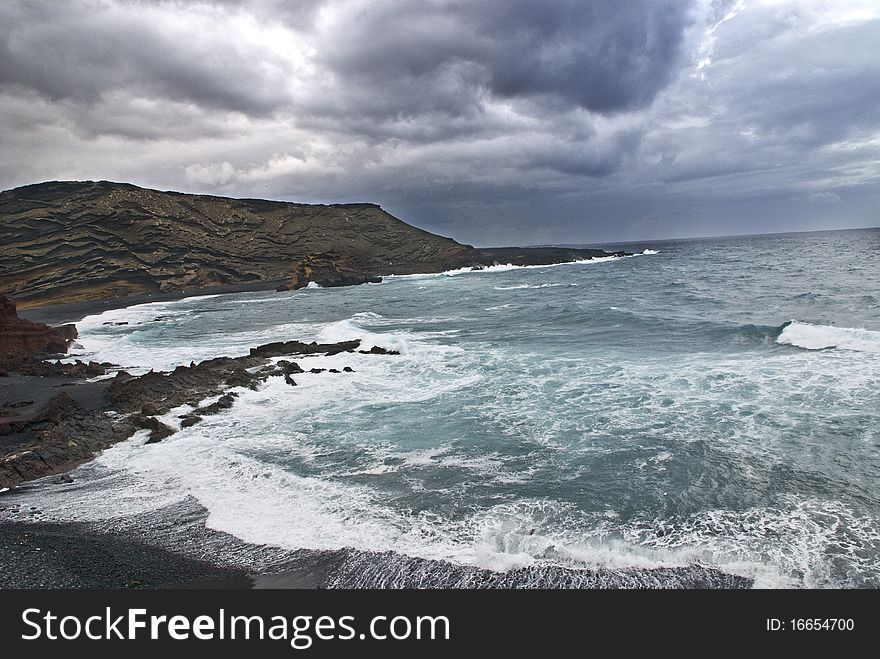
x,y
507,267
824,337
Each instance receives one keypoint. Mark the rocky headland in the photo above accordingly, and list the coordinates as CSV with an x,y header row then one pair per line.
x,y
67,242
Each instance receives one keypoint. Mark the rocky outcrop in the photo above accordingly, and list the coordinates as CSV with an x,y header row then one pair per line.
x,y
158,430
81,241
188,385
62,434
280,349
25,365
327,270
23,337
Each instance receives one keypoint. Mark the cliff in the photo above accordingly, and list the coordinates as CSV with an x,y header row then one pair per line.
x,y
81,241
21,336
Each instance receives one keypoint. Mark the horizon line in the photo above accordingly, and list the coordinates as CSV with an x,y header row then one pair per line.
x,y
706,237
367,203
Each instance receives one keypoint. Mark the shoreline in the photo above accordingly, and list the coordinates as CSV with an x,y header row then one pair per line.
x,y
49,434
74,312
67,556
164,548
173,547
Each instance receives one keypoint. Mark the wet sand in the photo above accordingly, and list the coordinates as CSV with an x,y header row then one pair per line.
x,y
40,555
173,548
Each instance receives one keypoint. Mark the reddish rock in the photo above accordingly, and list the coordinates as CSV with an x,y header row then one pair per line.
x,y
18,335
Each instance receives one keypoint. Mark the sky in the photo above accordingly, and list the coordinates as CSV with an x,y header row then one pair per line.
x,y
495,122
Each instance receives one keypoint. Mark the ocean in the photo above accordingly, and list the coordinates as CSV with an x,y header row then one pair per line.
x,y
711,402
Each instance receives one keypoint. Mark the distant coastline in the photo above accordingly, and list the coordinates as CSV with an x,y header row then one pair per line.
x,y
115,243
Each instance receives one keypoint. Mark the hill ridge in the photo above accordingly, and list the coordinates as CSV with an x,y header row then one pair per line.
x,y
77,241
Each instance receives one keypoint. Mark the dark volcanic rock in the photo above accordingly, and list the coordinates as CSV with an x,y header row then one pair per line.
x,y
241,378
223,403
158,430
60,436
185,384
378,350
27,365
149,409
189,384
300,348
159,392
328,270
289,368
57,408
149,242
23,337
189,420
61,338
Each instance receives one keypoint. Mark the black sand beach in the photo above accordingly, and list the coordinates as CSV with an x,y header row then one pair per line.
x,y
38,555
73,312
173,548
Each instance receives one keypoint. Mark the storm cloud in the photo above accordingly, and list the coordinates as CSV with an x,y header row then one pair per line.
x,y
493,121
603,56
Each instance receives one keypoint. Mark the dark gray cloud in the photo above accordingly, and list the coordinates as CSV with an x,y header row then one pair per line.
x,y
492,121
82,51
604,56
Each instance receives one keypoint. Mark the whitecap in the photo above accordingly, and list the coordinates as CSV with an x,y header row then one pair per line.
x,y
822,337
505,268
520,286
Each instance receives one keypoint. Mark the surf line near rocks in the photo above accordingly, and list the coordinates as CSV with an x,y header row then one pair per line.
x,y
64,433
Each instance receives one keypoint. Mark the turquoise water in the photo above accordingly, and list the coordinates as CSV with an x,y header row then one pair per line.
x,y
716,403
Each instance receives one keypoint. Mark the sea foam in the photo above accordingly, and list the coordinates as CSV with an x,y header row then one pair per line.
x,y
822,337
507,267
